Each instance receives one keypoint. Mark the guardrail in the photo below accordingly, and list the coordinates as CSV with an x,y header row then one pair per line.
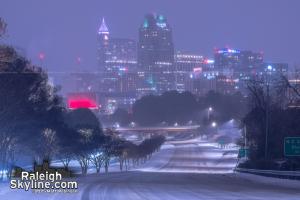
x,y
272,173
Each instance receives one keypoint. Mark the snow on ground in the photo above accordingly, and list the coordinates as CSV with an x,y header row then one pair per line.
x,y
192,156
203,171
269,180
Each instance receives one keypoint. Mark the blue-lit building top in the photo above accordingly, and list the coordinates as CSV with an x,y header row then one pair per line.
x,y
156,54
155,42
233,62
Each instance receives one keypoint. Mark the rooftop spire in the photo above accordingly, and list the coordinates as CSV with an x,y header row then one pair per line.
x,y
103,28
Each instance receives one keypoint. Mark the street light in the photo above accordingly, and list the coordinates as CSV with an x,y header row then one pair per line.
x,y
132,124
270,68
117,125
214,124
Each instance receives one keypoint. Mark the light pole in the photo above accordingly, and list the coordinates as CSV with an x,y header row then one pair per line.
x,y
269,70
208,113
245,135
245,146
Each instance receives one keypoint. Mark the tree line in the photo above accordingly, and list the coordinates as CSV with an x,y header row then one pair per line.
x,y
175,107
35,124
270,120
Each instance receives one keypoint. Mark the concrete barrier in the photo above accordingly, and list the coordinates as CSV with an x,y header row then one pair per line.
x,y
295,175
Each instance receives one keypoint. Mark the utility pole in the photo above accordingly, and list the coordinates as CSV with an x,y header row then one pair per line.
x,y
245,145
208,113
267,112
245,135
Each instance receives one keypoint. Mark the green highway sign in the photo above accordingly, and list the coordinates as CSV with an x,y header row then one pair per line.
x,y
292,146
243,152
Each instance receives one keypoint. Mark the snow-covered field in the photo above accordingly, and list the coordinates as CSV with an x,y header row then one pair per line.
x,y
181,170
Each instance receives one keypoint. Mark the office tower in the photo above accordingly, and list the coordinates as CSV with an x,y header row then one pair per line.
x,y
117,60
235,63
186,67
156,55
236,67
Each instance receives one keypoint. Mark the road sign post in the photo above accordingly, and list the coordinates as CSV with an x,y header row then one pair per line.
x,y
292,146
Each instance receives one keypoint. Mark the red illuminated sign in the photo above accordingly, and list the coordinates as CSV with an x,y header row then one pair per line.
x,y
82,100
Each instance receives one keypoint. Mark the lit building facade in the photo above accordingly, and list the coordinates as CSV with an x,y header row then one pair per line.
x,y
156,55
194,73
117,58
185,66
236,63
235,68
273,69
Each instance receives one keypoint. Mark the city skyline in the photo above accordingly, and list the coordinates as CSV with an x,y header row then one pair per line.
x,y
110,99
54,43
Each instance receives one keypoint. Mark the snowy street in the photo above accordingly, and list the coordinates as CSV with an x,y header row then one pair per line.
x,y
180,170
136,185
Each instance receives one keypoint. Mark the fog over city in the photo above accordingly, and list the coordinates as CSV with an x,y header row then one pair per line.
x,y
67,29
139,99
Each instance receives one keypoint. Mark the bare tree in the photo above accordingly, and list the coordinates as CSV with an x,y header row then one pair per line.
x,y
3,27
294,88
49,143
65,158
97,159
8,143
83,155
257,93
83,159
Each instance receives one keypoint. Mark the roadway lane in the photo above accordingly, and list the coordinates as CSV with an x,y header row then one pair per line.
x,y
193,156
209,177
183,186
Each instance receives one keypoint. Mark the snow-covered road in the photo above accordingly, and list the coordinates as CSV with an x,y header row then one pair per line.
x,y
189,170
183,186
194,157
182,170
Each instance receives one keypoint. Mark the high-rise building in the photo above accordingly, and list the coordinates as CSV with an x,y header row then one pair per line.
x,y
274,69
186,65
117,62
235,68
103,42
236,63
195,73
156,54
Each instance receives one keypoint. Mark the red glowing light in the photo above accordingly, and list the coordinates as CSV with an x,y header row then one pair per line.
x,y
41,56
197,69
82,103
82,100
208,61
78,60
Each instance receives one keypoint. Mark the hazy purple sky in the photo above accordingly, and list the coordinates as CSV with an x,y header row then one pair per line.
x,y
66,29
